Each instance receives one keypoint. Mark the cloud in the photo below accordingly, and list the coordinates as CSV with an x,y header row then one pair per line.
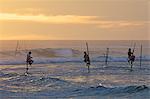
x,y
59,19
70,19
121,24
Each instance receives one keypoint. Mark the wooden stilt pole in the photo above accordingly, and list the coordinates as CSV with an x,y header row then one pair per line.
x,y
88,64
131,62
141,56
106,57
27,68
16,48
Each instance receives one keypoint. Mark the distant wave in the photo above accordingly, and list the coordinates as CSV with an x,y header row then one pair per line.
x,y
115,91
48,55
47,52
127,89
38,60
119,58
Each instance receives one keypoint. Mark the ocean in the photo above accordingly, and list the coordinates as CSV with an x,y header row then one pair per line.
x,y
58,70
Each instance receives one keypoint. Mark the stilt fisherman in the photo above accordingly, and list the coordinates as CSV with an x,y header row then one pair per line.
x,y
87,60
29,61
131,57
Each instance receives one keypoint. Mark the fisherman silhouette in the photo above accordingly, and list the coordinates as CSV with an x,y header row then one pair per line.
x,y
29,61
86,59
129,54
131,57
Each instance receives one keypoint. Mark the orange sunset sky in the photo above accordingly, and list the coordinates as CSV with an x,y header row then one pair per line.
x,y
74,20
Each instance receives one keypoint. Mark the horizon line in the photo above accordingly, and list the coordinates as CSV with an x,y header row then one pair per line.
x,y
73,40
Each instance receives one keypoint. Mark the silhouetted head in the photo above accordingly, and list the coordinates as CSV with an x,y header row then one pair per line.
x,y
29,52
129,49
84,52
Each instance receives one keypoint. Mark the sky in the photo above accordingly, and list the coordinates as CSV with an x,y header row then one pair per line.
x,y
74,20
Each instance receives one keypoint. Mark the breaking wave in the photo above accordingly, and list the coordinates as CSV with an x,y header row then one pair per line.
x,y
48,55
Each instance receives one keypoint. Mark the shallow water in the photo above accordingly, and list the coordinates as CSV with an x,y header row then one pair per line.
x,y
71,80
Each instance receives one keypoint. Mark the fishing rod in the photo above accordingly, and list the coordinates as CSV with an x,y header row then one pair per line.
x,y
87,47
134,47
17,46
